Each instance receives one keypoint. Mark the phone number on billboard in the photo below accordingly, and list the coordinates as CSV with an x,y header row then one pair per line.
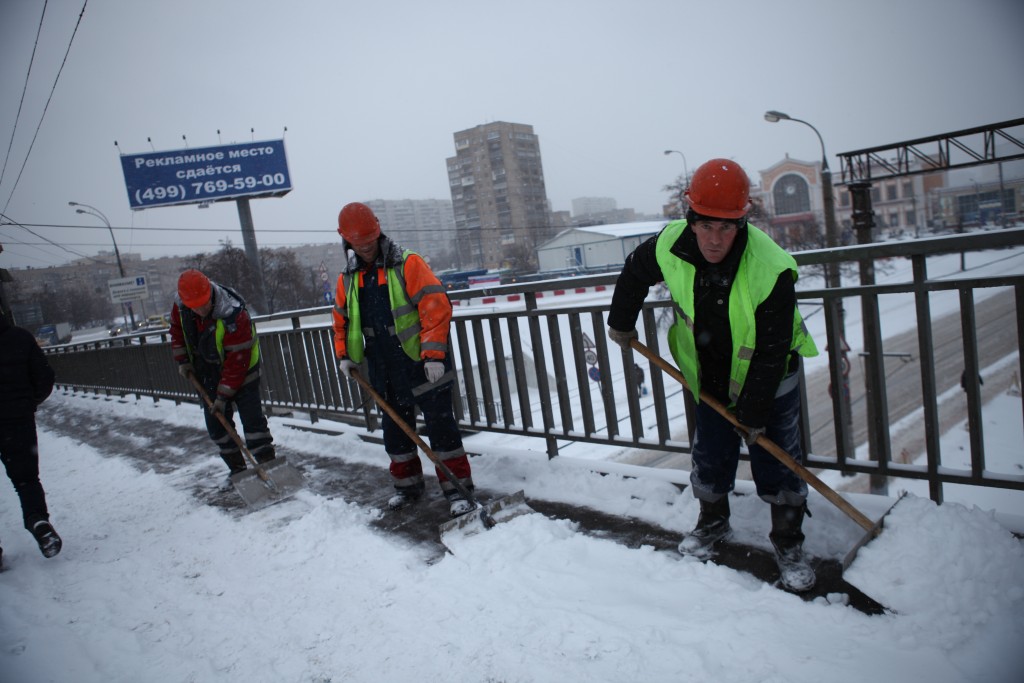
x,y
209,187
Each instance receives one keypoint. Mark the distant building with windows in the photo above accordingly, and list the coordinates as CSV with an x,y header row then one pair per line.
x,y
589,206
791,202
499,199
418,224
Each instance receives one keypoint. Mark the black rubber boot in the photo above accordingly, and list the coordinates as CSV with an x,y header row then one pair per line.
x,y
265,453
405,496
712,526
787,538
234,461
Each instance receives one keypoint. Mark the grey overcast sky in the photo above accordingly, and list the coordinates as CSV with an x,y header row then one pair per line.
x,y
372,92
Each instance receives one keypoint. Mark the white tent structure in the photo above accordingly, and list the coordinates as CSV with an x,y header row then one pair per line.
x,y
595,247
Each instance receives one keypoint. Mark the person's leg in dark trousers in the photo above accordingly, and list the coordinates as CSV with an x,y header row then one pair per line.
x,y
258,439
227,448
20,454
19,451
445,438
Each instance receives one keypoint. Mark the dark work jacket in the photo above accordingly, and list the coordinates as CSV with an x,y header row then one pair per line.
x,y
772,359
26,378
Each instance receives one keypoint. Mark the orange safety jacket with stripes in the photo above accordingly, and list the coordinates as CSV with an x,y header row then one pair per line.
x,y
419,305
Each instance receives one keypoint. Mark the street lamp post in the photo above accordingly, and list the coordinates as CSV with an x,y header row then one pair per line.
x,y
686,175
832,276
827,197
93,211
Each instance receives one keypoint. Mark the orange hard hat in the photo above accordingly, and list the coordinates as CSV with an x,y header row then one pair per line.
x,y
194,289
358,224
720,189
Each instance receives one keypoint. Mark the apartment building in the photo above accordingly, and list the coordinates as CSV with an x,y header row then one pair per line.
x,y
499,199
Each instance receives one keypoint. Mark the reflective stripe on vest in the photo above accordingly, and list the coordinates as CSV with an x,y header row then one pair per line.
x,y
759,269
407,318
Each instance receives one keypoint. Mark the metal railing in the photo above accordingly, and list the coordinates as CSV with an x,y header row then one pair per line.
x,y
531,369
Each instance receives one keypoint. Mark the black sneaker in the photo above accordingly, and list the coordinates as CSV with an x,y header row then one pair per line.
x,y
47,538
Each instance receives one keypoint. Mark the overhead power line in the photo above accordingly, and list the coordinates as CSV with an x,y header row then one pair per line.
x,y
48,241
24,89
47,106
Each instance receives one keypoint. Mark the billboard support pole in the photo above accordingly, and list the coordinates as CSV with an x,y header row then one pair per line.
x,y
252,252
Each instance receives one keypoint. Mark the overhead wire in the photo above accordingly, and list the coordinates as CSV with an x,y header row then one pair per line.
x,y
47,106
10,221
24,89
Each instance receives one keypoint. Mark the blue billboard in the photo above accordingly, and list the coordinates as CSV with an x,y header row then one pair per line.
x,y
206,174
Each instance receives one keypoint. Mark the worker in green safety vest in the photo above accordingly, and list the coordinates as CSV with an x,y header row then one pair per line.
x,y
738,336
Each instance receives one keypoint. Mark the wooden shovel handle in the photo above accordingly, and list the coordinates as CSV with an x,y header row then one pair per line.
x,y
411,433
228,426
763,441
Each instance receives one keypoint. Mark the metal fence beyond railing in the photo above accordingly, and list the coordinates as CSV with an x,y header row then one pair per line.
x,y
530,367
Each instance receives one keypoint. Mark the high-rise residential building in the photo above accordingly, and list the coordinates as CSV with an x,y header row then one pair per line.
x,y
498,196
426,226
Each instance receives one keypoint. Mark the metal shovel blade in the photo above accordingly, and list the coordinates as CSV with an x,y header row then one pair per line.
x,y
280,481
484,516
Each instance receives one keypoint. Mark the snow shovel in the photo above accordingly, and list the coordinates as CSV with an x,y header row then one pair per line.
x,y
482,516
264,483
872,528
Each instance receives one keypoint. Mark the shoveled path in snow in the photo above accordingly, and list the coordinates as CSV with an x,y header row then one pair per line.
x,y
170,449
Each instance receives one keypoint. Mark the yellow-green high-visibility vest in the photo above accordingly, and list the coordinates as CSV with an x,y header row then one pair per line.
x,y
759,269
407,318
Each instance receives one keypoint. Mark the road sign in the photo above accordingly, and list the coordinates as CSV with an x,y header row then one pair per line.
x,y
595,373
126,289
590,357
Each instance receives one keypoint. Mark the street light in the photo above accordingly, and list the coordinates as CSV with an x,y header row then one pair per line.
x,y
829,201
93,211
686,175
832,277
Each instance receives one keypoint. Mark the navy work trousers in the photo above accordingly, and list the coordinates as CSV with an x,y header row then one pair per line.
x,y
254,423
716,453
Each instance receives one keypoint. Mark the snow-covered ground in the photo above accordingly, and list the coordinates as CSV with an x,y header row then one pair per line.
x,y
154,586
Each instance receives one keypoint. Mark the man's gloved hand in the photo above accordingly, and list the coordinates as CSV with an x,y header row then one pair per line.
x,y
185,369
622,338
346,366
433,369
219,406
751,435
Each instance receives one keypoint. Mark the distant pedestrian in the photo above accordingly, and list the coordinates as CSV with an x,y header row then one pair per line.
x,y
213,337
26,380
391,319
738,337
638,377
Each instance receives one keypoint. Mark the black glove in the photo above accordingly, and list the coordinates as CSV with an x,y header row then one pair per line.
x,y
751,435
621,338
185,369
